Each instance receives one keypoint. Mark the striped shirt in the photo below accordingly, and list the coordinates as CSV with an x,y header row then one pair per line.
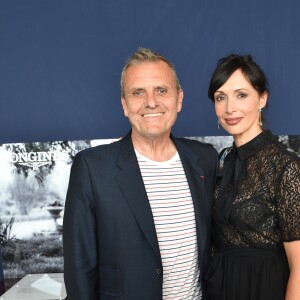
x,y
173,213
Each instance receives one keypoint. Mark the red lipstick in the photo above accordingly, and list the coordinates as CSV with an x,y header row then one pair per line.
x,y
232,121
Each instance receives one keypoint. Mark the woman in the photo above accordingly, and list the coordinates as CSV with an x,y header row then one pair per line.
x,y
256,234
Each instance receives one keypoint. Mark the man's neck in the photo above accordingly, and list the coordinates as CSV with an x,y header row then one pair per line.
x,y
156,149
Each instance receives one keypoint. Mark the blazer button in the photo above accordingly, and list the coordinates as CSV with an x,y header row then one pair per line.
x,y
158,271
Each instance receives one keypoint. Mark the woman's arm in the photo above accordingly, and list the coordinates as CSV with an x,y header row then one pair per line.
x,y
292,250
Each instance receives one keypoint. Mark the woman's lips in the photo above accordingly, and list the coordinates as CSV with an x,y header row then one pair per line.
x,y
232,121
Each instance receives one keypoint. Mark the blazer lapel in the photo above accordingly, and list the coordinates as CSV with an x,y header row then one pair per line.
x,y
132,186
195,178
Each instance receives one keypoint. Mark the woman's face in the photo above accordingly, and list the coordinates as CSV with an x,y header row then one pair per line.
x,y
237,106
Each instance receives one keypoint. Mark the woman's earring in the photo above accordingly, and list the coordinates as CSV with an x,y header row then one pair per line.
x,y
260,117
218,124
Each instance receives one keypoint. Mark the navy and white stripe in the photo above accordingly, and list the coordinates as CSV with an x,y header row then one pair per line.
x,y
173,212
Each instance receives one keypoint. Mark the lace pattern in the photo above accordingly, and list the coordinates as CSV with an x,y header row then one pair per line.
x,y
266,209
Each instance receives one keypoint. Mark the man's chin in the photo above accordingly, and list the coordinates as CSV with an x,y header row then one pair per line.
x,y
153,134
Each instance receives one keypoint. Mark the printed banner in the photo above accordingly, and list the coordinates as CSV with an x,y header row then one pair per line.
x,y
33,184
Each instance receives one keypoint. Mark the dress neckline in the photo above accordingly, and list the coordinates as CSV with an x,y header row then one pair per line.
x,y
235,169
258,143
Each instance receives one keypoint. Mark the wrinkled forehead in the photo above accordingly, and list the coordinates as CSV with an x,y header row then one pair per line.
x,y
149,74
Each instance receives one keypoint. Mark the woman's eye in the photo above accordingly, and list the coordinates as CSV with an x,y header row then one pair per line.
x,y
242,95
219,98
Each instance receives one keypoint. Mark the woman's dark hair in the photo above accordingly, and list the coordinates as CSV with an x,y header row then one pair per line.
x,y
228,65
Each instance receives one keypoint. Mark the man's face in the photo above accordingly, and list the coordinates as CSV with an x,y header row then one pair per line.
x,y
151,99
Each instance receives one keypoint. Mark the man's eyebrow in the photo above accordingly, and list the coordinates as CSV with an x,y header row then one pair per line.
x,y
136,89
162,86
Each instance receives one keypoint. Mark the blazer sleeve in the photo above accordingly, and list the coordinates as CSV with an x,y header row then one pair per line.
x,y
80,234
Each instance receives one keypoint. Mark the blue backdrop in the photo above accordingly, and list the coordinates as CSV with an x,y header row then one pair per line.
x,y
60,61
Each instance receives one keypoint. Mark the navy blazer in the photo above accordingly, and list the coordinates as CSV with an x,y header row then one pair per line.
x,y
110,245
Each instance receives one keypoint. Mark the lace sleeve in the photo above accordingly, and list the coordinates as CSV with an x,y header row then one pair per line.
x,y
289,202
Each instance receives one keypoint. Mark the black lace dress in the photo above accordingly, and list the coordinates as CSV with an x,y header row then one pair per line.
x,y
256,209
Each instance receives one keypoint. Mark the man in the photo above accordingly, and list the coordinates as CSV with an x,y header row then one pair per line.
x,y
138,211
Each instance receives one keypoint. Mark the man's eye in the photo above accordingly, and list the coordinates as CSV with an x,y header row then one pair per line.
x,y
161,91
137,93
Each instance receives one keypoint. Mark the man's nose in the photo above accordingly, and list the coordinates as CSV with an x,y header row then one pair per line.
x,y
151,100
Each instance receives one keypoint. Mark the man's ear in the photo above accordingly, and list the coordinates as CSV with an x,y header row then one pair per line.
x,y
124,105
180,100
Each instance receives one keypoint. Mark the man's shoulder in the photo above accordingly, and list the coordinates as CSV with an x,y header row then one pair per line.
x,y
205,151
196,145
